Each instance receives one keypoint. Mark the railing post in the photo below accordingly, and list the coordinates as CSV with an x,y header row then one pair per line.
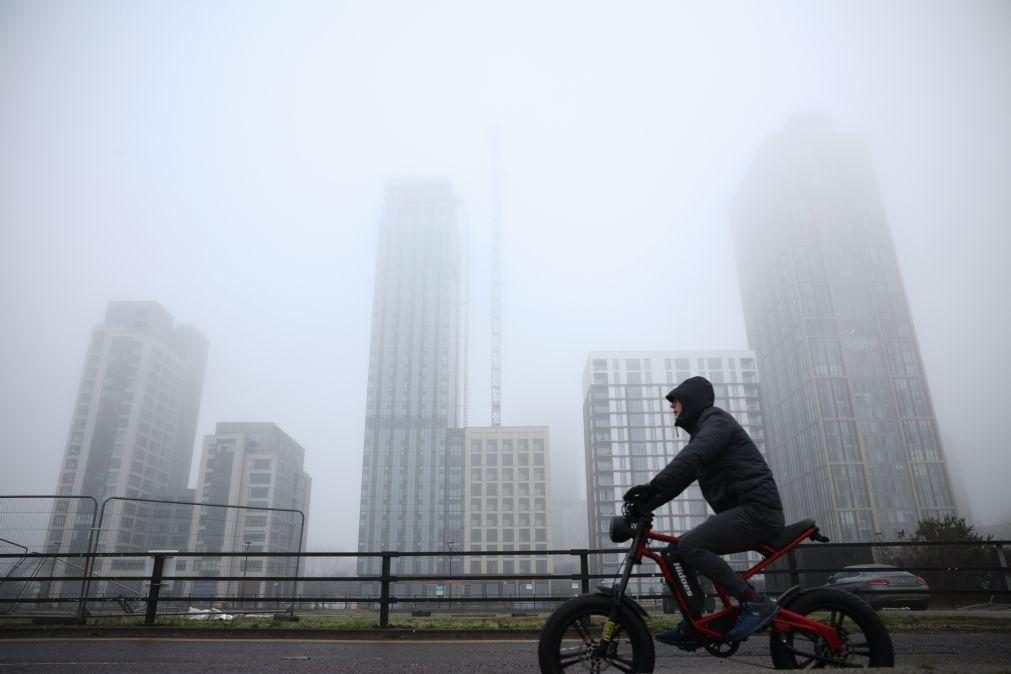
x,y
584,571
384,592
82,615
791,560
152,595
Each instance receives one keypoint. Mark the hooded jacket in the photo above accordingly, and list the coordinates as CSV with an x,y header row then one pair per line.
x,y
728,466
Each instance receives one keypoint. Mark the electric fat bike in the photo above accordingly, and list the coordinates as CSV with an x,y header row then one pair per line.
x,y
814,628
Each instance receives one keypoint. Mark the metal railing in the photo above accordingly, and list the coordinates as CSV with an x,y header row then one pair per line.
x,y
808,564
52,541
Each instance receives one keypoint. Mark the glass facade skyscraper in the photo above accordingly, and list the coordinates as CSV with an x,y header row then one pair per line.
x,y
853,438
412,468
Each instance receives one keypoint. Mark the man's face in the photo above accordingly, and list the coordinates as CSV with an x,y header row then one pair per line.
x,y
676,406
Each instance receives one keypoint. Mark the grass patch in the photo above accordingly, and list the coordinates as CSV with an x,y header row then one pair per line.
x,y
897,622
906,623
349,621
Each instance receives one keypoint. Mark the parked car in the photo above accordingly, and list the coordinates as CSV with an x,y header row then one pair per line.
x,y
880,586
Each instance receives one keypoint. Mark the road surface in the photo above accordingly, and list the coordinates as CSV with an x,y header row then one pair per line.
x,y
986,652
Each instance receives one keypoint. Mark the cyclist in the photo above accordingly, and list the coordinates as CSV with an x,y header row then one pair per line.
x,y
737,483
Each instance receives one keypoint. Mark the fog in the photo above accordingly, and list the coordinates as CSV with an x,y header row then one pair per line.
x,y
228,160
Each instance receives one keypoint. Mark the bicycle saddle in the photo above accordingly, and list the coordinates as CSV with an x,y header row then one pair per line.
x,y
788,534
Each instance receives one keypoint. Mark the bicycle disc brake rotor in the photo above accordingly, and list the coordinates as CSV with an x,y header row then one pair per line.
x,y
592,661
824,651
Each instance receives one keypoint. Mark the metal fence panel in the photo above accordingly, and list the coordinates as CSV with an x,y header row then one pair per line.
x,y
58,526
145,525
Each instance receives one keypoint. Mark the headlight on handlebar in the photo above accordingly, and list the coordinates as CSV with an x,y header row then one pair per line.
x,y
621,530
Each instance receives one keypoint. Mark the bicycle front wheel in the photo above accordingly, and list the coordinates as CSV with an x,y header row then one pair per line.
x,y
571,638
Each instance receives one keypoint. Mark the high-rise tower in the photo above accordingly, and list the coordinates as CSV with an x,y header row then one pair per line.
x,y
135,418
853,438
256,466
412,483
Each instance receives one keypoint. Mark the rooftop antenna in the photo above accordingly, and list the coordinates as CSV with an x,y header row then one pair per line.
x,y
496,280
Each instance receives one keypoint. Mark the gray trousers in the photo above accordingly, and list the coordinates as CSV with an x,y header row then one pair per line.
x,y
734,530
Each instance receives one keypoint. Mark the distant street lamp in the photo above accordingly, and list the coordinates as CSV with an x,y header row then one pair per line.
x,y
450,545
245,566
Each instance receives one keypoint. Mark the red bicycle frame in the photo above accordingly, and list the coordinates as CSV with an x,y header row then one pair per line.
x,y
785,619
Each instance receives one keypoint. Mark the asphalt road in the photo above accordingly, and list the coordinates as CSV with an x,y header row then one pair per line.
x,y
940,653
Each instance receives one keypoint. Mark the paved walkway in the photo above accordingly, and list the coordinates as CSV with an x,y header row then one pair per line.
x,y
976,652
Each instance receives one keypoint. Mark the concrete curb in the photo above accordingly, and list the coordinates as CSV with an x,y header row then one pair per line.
x,y
160,632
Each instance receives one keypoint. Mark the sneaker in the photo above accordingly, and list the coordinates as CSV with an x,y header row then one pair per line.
x,y
682,636
755,615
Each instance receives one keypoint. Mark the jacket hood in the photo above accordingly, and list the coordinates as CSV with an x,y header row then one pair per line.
x,y
695,394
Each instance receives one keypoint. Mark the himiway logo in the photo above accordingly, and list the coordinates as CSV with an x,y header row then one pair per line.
x,y
684,579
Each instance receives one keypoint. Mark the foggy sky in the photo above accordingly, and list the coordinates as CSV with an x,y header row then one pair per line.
x,y
227,160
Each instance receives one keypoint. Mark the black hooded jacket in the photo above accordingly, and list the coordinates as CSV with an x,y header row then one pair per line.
x,y
720,455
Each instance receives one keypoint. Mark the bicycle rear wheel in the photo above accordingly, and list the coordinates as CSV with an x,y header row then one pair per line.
x,y
866,642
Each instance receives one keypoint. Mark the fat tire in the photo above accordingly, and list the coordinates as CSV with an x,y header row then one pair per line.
x,y
632,625
879,640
